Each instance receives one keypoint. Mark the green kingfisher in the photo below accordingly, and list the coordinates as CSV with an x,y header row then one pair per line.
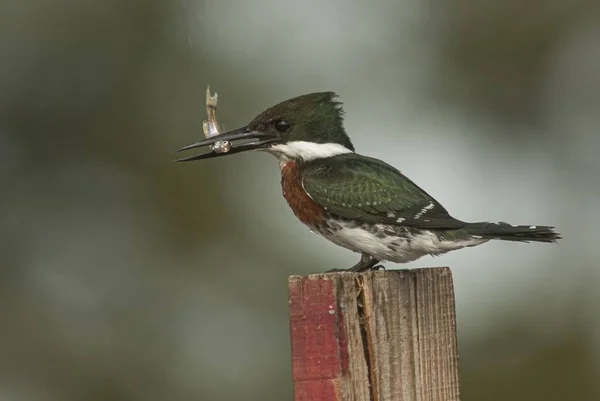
x,y
357,202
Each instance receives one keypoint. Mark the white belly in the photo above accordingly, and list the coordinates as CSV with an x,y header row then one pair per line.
x,y
394,244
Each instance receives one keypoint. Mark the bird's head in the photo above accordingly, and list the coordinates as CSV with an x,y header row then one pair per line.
x,y
304,128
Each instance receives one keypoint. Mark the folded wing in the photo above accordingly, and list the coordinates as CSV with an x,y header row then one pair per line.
x,y
358,187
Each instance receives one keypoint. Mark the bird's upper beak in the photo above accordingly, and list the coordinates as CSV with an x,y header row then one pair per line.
x,y
242,139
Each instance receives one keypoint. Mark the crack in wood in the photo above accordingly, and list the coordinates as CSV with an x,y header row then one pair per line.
x,y
365,335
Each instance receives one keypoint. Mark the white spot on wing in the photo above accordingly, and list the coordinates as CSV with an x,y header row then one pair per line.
x,y
400,220
532,227
424,210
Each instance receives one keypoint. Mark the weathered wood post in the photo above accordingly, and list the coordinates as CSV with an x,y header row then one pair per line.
x,y
374,336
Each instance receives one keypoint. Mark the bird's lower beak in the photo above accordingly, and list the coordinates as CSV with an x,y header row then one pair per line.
x,y
241,139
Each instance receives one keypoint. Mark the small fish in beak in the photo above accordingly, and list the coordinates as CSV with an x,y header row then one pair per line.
x,y
211,127
221,144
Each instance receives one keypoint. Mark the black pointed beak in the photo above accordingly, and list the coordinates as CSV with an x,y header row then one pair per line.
x,y
242,139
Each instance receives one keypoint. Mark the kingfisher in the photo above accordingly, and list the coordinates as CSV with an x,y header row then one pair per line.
x,y
355,201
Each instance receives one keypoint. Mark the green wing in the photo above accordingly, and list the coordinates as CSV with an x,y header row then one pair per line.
x,y
358,187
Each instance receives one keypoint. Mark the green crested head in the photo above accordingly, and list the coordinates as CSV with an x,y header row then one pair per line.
x,y
314,117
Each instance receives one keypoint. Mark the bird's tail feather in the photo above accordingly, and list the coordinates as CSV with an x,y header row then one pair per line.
x,y
509,232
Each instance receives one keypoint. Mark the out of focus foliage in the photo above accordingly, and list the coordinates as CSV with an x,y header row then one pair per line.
x,y
127,277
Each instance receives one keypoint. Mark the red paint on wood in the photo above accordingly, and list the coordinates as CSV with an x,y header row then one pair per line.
x,y
319,354
316,390
343,343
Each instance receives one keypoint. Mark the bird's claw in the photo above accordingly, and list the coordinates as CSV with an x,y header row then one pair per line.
x,y
374,268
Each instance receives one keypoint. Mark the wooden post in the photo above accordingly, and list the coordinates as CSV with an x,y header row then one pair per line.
x,y
374,336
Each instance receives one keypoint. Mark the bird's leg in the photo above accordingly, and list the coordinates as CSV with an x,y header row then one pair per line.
x,y
365,263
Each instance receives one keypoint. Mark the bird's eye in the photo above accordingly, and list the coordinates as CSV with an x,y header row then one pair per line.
x,y
282,125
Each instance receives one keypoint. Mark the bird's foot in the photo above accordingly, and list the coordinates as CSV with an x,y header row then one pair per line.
x,y
366,263
374,268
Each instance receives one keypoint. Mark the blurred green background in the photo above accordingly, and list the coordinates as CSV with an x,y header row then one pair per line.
x,y
125,276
